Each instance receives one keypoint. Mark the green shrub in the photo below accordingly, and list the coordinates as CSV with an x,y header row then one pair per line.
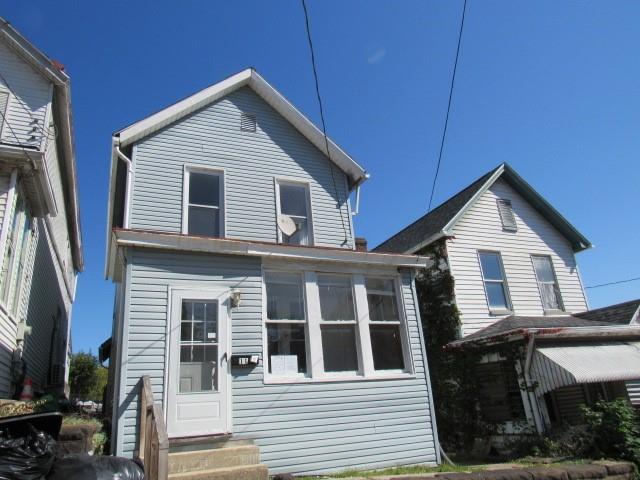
x,y
615,427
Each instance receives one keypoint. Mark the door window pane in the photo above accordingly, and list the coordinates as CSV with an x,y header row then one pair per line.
x,y
204,189
387,347
198,346
285,299
287,348
339,348
336,298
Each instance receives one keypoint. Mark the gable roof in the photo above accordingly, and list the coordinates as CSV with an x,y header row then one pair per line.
x,y
619,315
440,221
249,78
53,72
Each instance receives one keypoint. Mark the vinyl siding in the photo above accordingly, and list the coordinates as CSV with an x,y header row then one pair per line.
x,y
34,96
481,229
211,137
46,302
299,427
633,389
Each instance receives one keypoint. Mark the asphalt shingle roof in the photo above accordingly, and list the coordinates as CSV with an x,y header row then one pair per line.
x,y
433,222
620,314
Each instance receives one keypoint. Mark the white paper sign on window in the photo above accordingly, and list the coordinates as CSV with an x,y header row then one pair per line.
x,y
284,364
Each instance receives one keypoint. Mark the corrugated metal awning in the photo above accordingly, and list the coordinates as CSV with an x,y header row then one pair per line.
x,y
560,366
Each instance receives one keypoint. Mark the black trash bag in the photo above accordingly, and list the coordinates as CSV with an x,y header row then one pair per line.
x,y
27,457
95,467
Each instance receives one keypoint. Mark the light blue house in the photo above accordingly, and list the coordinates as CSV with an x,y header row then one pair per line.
x,y
242,295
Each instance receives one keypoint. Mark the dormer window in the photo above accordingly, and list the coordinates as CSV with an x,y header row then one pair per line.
x,y
507,217
293,207
203,202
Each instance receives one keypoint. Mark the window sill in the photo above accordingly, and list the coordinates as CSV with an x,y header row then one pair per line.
x,y
555,312
500,312
274,380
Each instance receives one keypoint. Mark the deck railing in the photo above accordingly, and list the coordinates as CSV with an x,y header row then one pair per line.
x,y
154,442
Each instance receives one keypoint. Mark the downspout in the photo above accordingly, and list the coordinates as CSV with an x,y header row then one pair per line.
x,y
127,160
535,412
357,209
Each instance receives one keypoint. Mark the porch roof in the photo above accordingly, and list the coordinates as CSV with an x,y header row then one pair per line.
x,y
562,365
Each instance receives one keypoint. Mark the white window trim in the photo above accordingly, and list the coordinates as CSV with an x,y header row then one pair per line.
x,y
557,284
315,361
505,284
6,111
220,172
297,183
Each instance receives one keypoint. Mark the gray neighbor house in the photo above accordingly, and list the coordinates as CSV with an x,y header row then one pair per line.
x,y
244,302
510,257
40,240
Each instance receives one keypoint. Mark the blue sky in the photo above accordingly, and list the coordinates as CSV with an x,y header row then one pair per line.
x,y
551,87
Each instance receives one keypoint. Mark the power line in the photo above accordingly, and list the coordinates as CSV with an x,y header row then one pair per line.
x,y
615,283
446,119
324,127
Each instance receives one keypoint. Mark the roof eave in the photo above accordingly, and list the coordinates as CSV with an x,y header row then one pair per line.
x,y
248,77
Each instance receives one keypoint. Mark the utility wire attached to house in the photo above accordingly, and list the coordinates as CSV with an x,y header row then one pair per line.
x,y
615,283
446,119
324,127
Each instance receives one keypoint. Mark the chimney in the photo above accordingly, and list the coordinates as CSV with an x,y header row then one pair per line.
x,y
361,244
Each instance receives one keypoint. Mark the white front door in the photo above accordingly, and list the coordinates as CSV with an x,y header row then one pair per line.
x,y
198,364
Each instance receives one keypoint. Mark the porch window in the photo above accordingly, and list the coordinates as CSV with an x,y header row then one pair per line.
x,y
203,210
293,207
15,255
338,323
495,284
500,397
384,324
547,283
286,324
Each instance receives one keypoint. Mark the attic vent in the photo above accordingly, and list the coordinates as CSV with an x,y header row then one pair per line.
x,y
247,122
506,215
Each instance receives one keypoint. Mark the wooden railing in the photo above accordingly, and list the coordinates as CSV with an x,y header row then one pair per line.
x,y
154,442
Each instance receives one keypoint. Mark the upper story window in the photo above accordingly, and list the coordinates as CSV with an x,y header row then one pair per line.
x,y
547,283
327,326
294,219
15,255
203,208
507,217
495,284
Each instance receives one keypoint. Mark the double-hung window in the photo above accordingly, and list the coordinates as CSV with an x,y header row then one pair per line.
x,y
203,210
384,324
547,283
294,205
495,284
286,324
15,255
338,323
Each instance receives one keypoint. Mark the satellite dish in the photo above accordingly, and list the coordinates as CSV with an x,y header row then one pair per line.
x,y
287,225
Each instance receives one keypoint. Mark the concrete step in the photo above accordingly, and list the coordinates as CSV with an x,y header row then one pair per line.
x,y
210,442
196,460
252,472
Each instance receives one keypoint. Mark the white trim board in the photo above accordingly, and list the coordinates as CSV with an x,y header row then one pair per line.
x,y
187,243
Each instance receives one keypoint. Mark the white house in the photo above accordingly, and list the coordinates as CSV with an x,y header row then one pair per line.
x,y
512,259
40,242
241,295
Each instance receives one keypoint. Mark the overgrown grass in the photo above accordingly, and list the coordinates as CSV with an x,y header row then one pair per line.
x,y
99,438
